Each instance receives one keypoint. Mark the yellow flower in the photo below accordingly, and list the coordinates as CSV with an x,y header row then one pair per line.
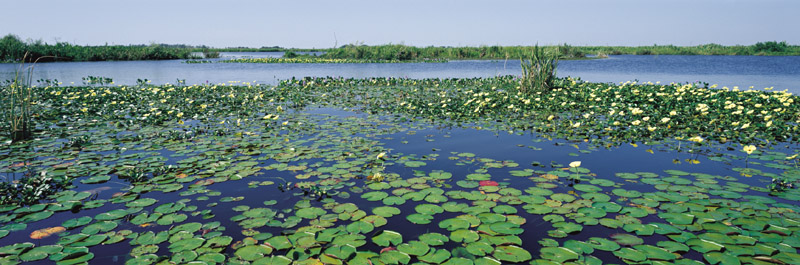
x,y
575,164
749,149
636,123
576,125
85,109
203,106
381,156
650,128
745,125
665,120
696,139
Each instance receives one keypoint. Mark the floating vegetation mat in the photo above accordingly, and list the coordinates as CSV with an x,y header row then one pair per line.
x,y
398,171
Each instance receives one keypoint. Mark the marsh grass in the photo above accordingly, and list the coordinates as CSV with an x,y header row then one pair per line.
x,y
18,100
539,71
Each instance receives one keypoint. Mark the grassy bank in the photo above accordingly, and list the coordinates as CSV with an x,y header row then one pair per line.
x,y
565,51
12,49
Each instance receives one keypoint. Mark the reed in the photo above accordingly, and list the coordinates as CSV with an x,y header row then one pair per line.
x,y
18,99
539,71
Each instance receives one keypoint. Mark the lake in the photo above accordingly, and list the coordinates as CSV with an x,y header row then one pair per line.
x,y
780,72
307,171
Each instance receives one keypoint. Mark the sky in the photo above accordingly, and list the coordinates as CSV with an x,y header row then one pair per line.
x,y
325,24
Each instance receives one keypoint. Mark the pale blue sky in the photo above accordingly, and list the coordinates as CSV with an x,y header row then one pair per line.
x,y
307,24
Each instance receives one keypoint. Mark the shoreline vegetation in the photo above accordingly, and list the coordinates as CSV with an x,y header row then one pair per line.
x,y
12,49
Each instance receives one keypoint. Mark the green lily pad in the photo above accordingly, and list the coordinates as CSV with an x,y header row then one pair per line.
x,y
721,258
387,238
96,179
394,257
630,254
419,219
434,239
513,253
603,244
253,252
435,256
416,248
386,211
627,239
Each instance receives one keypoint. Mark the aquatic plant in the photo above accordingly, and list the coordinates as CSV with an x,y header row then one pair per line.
x,y
18,99
538,71
30,188
204,162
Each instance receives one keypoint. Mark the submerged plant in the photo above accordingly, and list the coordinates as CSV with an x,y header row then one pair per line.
x,y
538,72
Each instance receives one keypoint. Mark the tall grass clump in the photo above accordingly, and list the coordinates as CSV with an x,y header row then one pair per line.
x,y
17,102
539,71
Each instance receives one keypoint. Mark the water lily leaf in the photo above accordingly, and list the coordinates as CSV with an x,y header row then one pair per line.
x,y
419,219
429,209
656,253
143,202
39,253
341,252
703,246
487,261
627,239
360,227
677,218
626,193
280,242
170,219
435,256
721,258
602,244
441,175
639,229
414,164
33,217
587,188
97,227
453,224
479,248
387,237
310,212
434,239
374,195
77,222
630,254
96,179
168,208
394,200
464,235
253,252
394,257
416,248
76,258
186,244
513,253
579,247
506,228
